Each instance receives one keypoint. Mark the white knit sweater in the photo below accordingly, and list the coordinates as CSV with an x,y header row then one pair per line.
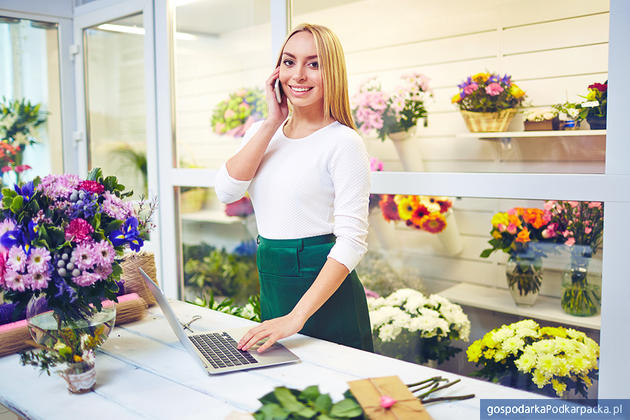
x,y
310,186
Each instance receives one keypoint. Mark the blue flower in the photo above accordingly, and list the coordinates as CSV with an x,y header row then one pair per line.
x,y
246,248
129,234
11,238
27,190
64,289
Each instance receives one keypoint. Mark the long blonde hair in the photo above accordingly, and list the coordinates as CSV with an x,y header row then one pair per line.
x,y
333,67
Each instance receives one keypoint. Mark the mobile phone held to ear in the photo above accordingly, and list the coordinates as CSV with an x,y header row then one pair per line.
x,y
278,90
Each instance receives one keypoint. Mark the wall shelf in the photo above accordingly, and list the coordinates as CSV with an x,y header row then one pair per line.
x,y
211,216
532,134
499,300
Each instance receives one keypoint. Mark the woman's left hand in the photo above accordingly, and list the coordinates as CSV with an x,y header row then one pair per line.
x,y
273,330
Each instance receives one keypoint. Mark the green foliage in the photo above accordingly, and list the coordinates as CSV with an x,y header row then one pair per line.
x,y
234,112
250,311
209,270
288,404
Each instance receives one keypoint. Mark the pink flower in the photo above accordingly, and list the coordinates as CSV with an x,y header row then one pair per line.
x,y
58,186
39,281
17,258
22,168
91,186
493,89
83,256
471,88
14,281
229,113
86,279
570,241
573,204
79,230
588,230
387,402
511,229
103,271
115,208
501,227
594,205
371,293
38,260
549,205
103,253
240,208
375,164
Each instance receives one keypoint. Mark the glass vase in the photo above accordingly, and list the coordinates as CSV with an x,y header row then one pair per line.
x,y
46,327
581,293
524,277
80,377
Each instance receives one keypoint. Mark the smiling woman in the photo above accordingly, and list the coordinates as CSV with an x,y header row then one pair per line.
x,y
307,173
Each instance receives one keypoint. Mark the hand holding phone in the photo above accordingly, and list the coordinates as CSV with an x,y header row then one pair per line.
x,y
278,90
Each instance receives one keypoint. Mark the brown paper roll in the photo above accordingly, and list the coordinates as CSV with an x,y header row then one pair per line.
x,y
134,282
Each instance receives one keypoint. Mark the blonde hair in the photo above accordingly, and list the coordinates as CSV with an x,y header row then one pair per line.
x,y
333,67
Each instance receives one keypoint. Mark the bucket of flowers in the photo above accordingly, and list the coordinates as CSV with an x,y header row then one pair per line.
x,y
413,327
61,243
428,213
488,101
526,235
525,355
233,116
596,104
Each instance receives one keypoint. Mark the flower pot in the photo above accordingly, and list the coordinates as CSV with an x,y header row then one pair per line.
x,y
569,124
80,377
192,201
581,293
481,122
545,125
450,237
524,277
596,123
408,152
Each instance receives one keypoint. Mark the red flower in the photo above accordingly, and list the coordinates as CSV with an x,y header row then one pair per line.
x,y
389,208
599,86
22,168
240,208
6,169
91,187
78,230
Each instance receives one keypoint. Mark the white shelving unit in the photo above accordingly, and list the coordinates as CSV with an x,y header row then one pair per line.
x,y
532,134
211,216
500,300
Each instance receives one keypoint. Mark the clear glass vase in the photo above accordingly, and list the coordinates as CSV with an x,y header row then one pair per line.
x,y
581,289
80,377
524,277
46,327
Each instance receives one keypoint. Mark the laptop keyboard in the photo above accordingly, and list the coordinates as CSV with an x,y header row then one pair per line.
x,y
220,350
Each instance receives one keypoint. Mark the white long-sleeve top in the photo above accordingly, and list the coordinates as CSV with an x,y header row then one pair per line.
x,y
315,185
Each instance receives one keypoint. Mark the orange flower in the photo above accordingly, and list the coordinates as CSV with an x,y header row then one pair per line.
x,y
433,223
515,220
523,236
534,217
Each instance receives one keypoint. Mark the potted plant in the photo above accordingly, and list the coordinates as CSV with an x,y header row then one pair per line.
x,y
488,102
525,355
571,114
596,104
394,115
522,233
414,327
233,116
541,119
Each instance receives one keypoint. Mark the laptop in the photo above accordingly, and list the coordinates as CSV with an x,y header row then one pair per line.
x,y
216,351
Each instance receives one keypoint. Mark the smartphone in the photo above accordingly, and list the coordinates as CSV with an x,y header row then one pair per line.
x,y
278,91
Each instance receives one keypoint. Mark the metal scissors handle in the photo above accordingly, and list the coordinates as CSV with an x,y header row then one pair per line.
x,y
186,326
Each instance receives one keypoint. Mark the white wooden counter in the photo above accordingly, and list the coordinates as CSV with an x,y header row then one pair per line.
x,y
143,372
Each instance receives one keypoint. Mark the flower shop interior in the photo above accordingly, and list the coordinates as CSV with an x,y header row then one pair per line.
x,y
489,234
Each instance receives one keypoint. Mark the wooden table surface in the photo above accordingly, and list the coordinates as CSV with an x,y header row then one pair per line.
x,y
144,372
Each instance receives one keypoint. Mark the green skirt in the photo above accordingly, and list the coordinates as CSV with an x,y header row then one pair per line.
x,y
288,267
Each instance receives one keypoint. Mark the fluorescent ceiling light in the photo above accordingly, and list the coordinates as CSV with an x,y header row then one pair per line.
x,y
140,31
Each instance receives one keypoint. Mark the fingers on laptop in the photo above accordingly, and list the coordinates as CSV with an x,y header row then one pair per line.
x,y
253,336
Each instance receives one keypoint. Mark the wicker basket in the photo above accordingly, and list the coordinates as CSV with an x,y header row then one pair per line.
x,y
134,282
482,122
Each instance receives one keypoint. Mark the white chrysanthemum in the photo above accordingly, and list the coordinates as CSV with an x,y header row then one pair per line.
x,y
414,303
513,345
384,315
527,361
388,332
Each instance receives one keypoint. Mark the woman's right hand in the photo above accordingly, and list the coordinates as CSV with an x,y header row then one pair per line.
x,y
277,112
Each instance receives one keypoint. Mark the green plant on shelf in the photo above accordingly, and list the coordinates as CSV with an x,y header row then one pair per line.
x,y
251,310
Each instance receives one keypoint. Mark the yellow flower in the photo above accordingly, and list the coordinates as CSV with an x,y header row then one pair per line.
x,y
526,362
586,380
489,354
591,95
474,351
500,218
547,364
554,331
500,355
481,77
496,234
558,386
516,91
456,98
540,379
488,340
406,207
77,358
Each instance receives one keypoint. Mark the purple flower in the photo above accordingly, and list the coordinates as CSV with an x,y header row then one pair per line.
x,y
83,256
128,235
86,279
39,281
103,253
17,259
38,260
64,289
58,186
15,281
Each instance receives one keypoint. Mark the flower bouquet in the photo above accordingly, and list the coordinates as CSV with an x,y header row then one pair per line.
x,y
428,213
488,101
419,326
522,233
571,114
235,115
579,225
397,112
18,129
564,358
244,209
61,242
595,105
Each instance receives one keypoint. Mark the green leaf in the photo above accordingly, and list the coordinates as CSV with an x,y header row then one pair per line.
x,y
310,393
96,221
324,417
291,404
267,398
323,403
16,204
486,253
95,174
273,412
346,409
